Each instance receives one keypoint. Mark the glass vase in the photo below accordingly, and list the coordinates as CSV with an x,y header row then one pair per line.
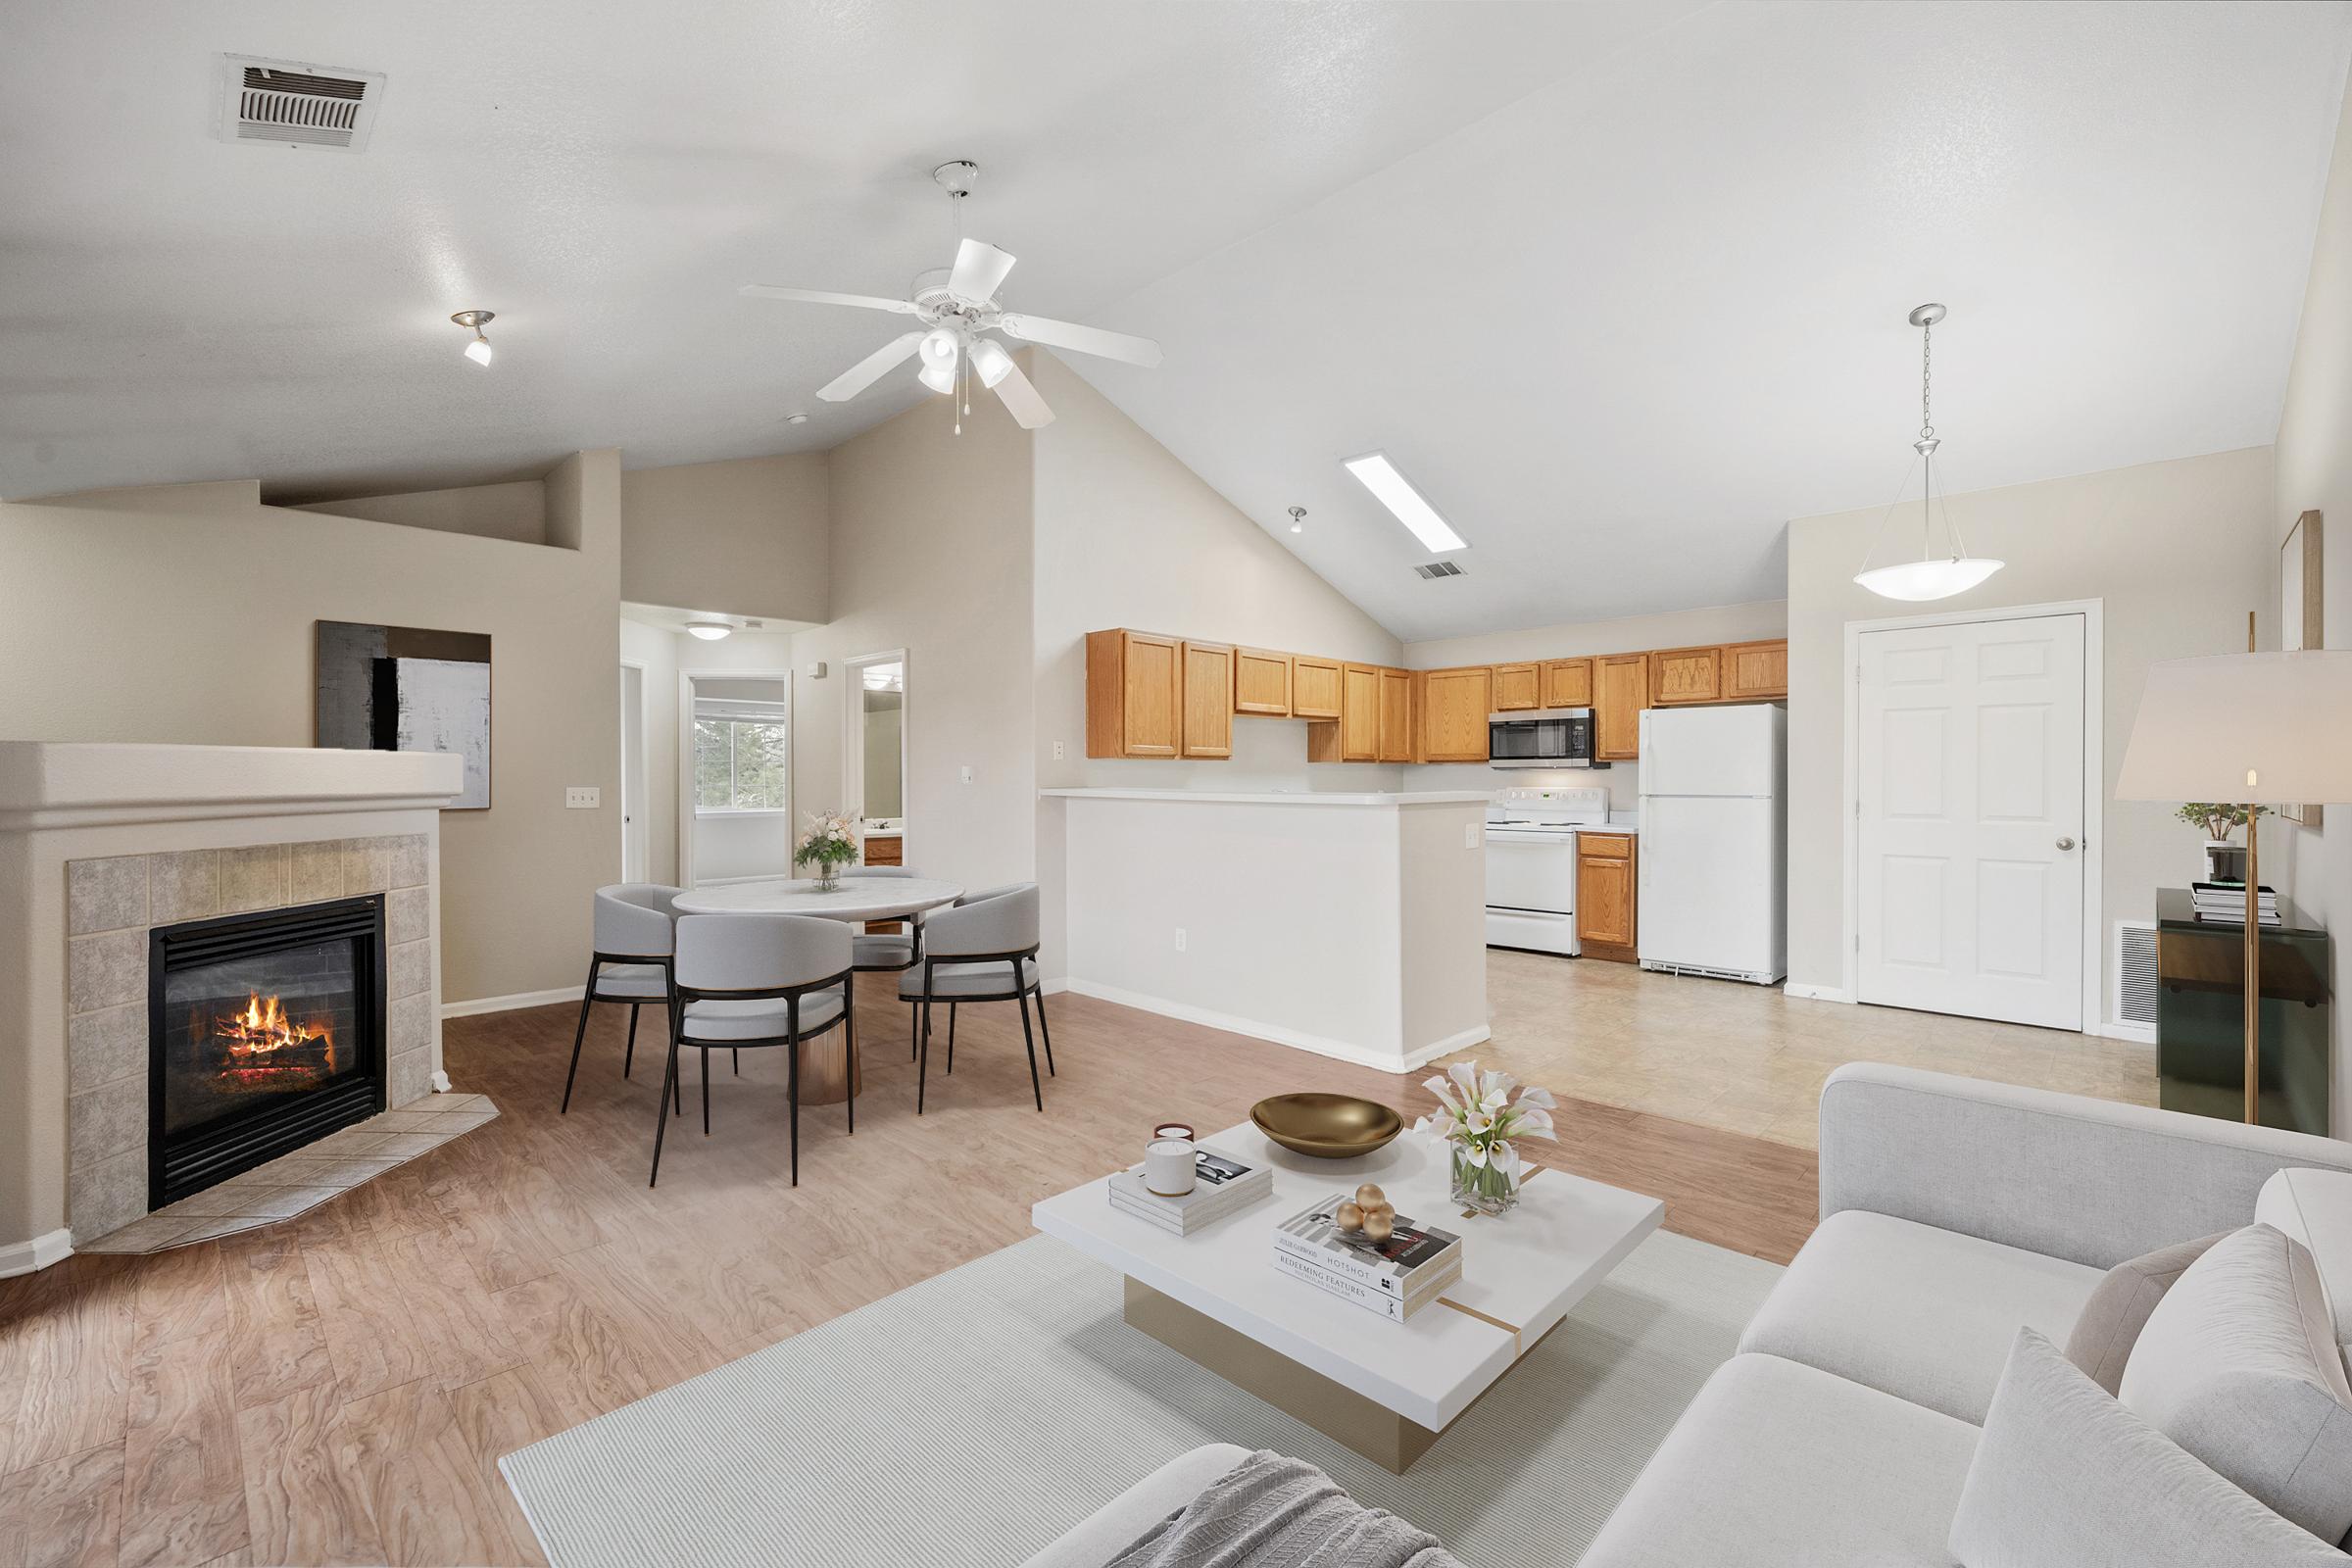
x,y
1486,1189
828,877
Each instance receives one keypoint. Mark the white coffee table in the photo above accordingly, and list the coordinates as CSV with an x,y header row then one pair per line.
x,y
1386,1390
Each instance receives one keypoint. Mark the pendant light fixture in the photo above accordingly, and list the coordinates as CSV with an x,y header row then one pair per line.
x,y
1931,575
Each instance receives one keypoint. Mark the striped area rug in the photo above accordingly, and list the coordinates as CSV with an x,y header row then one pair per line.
x,y
973,1417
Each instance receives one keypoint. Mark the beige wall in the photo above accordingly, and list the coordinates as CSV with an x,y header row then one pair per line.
x,y
184,613
2313,471
748,537
515,512
2172,550
1681,628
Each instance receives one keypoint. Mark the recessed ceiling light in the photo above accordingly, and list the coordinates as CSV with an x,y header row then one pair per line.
x,y
796,418
709,631
478,351
1390,488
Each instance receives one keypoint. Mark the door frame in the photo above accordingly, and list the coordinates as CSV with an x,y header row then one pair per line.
x,y
632,788
792,755
2094,784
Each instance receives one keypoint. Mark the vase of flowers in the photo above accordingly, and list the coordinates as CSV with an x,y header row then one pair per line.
x,y
2225,861
830,844
1479,1123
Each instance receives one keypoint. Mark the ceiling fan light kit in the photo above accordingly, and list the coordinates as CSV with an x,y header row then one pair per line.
x,y
1930,576
956,305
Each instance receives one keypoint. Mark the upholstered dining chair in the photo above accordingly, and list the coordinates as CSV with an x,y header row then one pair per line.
x,y
752,980
634,940
983,950
886,952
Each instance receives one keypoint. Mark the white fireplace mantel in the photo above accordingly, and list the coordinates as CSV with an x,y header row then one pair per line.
x,y
305,816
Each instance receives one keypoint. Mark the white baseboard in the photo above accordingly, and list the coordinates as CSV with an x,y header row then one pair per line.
x,y
1320,1045
520,999
1812,992
2143,1034
23,1258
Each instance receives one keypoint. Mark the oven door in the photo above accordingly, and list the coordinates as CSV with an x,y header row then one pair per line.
x,y
1531,890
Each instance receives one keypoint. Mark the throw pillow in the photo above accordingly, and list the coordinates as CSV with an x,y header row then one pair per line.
x,y
2119,1308
2064,1474
2238,1366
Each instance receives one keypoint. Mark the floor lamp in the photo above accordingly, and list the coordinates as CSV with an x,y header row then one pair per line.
x,y
2255,729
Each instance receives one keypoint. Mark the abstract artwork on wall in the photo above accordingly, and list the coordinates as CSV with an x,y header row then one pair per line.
x,y
402,689
2302,612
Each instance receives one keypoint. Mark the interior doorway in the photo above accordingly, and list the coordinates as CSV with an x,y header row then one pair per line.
x,y
735,821
635,806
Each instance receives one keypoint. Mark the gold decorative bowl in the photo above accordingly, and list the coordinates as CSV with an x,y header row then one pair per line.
x,y
1326,1126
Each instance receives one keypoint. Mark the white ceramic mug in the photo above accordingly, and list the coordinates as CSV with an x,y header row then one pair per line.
x,y
1168,1166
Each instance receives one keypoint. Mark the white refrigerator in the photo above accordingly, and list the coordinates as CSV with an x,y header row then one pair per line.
x,y
1714,848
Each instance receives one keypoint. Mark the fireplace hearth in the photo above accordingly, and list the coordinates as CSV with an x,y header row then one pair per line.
x,y
266,1031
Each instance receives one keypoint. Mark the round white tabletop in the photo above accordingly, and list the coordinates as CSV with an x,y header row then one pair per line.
x,y
862,898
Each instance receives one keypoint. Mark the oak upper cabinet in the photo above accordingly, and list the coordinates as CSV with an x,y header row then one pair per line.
x,y
1134,694
1568,683
1453,714
1755,672
1620,691
1261,682
1518,686
1314,688
1605,924
1680,675
1395,716
1355,735
1207,700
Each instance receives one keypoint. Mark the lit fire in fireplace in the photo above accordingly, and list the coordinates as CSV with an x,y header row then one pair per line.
x,y
263,1029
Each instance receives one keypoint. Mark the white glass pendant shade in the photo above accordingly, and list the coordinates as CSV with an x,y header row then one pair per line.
x,y
990,362
1927,579
938,377
940,347
478,351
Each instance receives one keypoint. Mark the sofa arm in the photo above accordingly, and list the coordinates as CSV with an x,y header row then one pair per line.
x,y
1121,1522
2085,1180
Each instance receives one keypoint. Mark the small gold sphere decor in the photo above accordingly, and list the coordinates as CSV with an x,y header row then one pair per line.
x,y
1369,1213
1351,1216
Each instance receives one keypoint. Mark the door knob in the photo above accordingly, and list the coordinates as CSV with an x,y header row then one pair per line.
x,y
2065,843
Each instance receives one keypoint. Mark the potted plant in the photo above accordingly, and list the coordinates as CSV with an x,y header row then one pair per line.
x,y
2225,861
830,844
1479,1120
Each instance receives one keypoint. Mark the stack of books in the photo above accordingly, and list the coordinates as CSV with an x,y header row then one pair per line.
x,y
2225,903
1221,1186
1394,1278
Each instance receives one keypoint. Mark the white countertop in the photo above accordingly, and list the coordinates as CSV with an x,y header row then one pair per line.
x,y
1284,797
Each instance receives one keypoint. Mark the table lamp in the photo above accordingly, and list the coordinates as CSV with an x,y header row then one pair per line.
x,y
2253,729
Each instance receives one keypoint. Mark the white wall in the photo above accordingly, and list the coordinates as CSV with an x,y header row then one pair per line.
x,y
747,537
1681,628
515,512
2173,550
2313,470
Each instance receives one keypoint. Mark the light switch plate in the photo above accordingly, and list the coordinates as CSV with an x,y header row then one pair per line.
x,y
1469,835
583,798
963,775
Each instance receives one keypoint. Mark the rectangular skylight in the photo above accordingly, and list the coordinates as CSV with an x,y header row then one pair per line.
x,y
1394,492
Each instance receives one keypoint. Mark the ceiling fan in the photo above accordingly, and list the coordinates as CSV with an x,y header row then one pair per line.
x,y
956,305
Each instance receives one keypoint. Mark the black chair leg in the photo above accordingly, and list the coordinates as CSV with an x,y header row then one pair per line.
x,y
793,1091
1035,1089
705,1091
629,1057
1043,1030
587,1001
738,1061
923,1050
914,1029
849,1035
669,1077
951,1040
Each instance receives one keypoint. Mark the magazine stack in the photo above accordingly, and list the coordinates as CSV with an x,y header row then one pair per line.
x,y
1221,1185
2225,903
1395,1277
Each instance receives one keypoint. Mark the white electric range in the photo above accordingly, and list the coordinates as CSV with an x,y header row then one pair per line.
x,y
1530,865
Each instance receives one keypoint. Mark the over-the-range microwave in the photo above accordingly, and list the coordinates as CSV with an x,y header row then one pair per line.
x,y
1542,737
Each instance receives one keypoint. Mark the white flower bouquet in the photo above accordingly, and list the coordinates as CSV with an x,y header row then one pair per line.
x,y
830,844
1482,1121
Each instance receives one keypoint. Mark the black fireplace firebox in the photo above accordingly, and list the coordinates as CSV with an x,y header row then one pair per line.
x,y
264,1032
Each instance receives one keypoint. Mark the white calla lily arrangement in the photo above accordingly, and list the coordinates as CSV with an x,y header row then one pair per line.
x,y
1482,1122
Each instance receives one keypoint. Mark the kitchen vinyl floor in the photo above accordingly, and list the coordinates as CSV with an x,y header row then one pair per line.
x,y
1751,1060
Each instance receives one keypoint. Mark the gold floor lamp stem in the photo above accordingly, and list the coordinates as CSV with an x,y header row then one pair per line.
x,y
2253,976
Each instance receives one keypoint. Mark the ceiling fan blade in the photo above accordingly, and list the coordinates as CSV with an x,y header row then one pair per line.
x,y
980,269
818,296
1021,401
1084,339
866,371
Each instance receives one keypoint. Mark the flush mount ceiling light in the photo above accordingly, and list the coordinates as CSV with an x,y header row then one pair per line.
x,y
1931,575
1392,489
709,631
1297,519
478,351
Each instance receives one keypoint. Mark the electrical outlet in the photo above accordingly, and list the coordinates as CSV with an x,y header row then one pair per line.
x,y
1469,835
963,775
583,798
1180,939
1059,750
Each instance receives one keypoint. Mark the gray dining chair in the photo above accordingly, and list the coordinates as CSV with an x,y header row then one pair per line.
x,y
745,981
983,950
633,943
886,952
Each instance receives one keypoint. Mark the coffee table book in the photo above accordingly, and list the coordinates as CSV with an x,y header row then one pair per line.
x,y
1226,1186
1412,1254
1398,1310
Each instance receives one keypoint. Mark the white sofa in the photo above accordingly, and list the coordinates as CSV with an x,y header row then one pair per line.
x,y
1952,1212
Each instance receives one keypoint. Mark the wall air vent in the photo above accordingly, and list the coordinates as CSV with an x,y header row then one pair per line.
x,y
2135,1001
283,103
1438,568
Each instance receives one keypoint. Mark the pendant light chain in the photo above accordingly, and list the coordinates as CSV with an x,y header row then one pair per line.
x,y
1927,363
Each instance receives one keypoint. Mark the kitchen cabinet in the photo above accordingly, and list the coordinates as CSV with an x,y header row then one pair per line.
x,y
1355,735
1314,687
1207,700
1755,672
1261,682
1134,694
1620,691
1517,686
884,849
1395,716
1605,916
1568,683
1680,675
1453,714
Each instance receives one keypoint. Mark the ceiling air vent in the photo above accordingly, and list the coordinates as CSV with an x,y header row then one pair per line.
x,y
283,103
1438,568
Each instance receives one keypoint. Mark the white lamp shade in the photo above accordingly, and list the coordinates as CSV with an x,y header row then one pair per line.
x,y
1939,577
2249,729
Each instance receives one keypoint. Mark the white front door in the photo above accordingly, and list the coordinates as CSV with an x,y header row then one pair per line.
x,y
1971,798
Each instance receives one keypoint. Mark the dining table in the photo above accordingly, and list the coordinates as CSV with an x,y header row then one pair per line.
x,y
827,1074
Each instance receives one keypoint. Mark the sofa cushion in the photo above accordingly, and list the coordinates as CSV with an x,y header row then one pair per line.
x,y
2314,1208
2238,1366
1779,1465
1924,1314
2110,1322
2065,1474
1111,1529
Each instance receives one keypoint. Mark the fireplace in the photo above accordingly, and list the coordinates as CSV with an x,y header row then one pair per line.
x,y
266,1031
